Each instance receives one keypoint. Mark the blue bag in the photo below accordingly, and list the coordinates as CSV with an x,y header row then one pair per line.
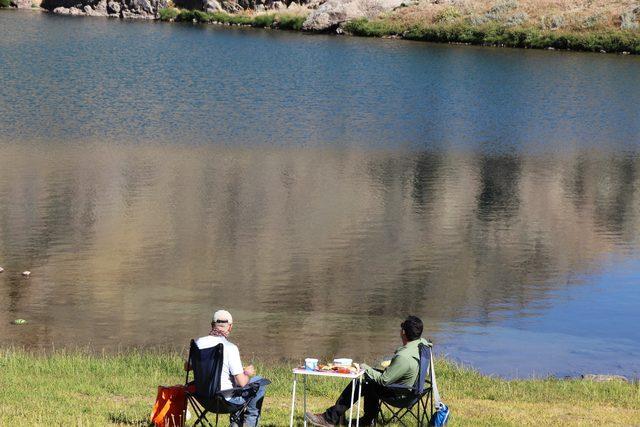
x,y
441,415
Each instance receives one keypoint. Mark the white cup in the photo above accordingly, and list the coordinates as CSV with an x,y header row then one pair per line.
x,y
310,363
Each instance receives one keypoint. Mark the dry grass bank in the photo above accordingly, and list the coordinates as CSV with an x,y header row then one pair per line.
x,y
573,15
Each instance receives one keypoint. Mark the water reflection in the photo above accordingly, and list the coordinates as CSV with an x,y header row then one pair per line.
x,y
312,248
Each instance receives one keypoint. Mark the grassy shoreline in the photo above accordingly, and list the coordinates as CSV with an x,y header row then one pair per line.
x,y
493,33
281,21
618,41
78,388
462,32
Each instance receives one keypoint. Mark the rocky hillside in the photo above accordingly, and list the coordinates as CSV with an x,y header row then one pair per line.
x,y
331,15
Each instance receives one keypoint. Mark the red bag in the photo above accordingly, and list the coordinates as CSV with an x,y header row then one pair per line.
x,y
170,407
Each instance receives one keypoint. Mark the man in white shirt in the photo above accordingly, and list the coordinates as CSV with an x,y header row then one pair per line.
x,y
233,374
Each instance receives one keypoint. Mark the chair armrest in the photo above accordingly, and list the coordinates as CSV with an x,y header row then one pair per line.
x,y
399,387
250,388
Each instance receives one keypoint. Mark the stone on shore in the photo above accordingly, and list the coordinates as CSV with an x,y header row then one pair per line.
x,y
335,12
211,6
90,11
113,7
142,9
277,5
21,4
61,11
98,9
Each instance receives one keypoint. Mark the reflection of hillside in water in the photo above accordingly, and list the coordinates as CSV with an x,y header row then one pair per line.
x,y
136,245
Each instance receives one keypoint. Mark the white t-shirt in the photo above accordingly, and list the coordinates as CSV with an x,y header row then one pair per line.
x,y
231,364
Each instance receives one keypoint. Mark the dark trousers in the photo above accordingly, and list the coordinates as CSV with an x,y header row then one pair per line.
x,y
370,391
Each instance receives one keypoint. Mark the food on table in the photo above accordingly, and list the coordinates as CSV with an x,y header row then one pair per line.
x,y
352,368
342,362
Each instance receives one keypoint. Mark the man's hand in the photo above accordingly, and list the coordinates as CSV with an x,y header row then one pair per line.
x,y
244,378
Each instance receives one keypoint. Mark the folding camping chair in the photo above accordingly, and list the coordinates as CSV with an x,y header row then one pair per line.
x,y
205,395
416,401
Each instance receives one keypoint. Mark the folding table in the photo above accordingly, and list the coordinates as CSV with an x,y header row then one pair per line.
x,y
330,374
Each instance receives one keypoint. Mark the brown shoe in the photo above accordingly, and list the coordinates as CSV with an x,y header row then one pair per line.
x,y
318,420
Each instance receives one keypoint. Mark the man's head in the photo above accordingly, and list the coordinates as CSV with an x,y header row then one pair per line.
x,y
222,321
411,329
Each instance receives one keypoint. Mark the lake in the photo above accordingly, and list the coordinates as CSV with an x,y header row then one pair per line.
x,y
320,188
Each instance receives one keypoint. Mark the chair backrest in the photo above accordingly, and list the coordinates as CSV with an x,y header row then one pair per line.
x,y
424,362
207,369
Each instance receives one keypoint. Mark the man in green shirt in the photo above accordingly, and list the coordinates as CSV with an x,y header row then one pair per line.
x,y
403,369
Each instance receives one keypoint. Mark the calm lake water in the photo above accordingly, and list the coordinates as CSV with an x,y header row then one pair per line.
x,y
320,188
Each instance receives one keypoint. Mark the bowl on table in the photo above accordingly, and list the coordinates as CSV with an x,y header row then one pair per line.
x,y
342,362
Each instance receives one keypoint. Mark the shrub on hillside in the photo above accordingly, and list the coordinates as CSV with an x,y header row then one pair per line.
x,y
552,22
592,21
498,10
477,20
517,19
167,14
629,20
448,14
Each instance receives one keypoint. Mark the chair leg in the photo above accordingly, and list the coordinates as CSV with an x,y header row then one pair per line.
x,y
200,412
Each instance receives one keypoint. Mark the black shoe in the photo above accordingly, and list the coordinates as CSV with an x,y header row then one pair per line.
x,y
318,420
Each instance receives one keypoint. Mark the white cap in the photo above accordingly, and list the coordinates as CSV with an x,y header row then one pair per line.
x,y
222,316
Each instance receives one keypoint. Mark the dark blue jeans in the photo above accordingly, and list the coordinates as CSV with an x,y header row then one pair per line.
x,y
254,407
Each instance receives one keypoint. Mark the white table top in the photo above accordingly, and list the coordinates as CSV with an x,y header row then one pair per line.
x,y
302,371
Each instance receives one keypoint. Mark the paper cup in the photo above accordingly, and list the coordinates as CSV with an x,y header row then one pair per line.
x,y
310,363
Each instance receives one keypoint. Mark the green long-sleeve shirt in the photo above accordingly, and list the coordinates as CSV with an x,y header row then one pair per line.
x,y
404,366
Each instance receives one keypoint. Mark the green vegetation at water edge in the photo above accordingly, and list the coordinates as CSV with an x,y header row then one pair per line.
x,y
168,13
447,27
5,3
280,21
78,388
498,35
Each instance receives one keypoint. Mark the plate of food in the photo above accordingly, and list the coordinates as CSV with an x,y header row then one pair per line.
x,y
341,367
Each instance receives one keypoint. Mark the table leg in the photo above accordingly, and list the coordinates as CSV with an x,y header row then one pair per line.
x,y
353,392
359,400
304,400
293,399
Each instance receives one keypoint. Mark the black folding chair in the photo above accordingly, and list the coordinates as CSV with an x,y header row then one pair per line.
x,y
207,397
416,401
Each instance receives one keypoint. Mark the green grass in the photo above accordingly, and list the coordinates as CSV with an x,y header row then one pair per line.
x,y
5,3
271,20
497,35
77,388
290,22
168,13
